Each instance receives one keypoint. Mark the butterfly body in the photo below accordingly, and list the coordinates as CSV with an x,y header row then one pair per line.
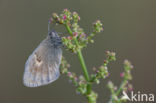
x,y
42,66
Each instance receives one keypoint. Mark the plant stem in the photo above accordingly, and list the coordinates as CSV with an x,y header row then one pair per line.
x,y
82,62
121,87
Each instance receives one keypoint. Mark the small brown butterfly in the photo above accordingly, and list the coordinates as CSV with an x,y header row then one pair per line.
x,y
42,66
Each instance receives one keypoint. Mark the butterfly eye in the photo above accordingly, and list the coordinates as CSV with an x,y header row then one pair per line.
x,y
53,34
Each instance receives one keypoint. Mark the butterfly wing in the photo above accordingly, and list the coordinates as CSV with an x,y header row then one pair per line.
x,y
42,66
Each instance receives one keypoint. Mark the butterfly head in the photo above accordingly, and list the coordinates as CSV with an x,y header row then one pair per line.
x,y
54,38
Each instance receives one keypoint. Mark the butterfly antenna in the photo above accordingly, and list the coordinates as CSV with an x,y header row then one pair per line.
x,y
49,22
49,25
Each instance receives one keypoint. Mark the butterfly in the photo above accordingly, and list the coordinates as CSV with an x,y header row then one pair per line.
x,y
42,66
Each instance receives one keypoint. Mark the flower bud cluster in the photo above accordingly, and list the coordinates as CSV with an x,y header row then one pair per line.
x,y
80,82
124,86
77,39
102,71
64,70
82,87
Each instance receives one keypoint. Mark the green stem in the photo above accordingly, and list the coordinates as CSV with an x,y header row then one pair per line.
x,y
82,62
118,91
83,65
121,87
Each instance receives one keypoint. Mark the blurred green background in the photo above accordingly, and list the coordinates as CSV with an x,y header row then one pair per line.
x,y
130,31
